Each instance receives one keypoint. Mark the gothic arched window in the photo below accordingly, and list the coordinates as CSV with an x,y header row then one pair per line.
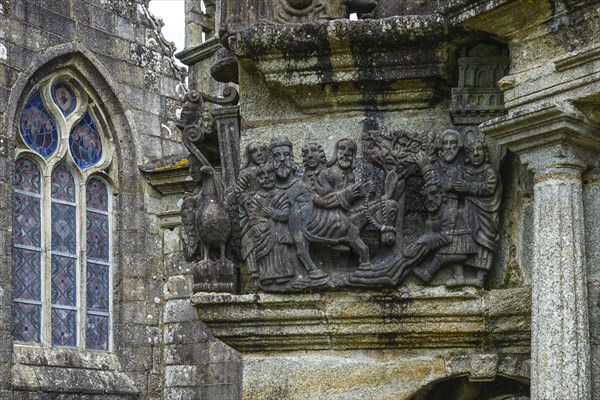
x,y
62,218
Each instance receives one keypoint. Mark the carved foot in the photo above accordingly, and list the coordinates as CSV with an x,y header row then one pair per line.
x,y
423,275
477,282
456,281
317,274
366,266
307,282
338,281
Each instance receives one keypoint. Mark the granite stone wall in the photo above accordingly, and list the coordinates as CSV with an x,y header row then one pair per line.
x,y
116,47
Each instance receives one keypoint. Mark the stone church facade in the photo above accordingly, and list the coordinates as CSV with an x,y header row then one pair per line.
x,y
432,236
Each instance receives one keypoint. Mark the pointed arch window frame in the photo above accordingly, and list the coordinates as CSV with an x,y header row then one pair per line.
x,y
87,106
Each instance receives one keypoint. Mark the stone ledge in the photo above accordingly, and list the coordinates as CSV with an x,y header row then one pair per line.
x,y
542,126
196,54
409,318
50,379
52,357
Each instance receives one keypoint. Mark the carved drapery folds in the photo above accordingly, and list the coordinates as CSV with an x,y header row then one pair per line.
x,y
320,226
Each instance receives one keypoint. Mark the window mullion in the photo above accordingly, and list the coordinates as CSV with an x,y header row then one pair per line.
x,y
81,282
46,293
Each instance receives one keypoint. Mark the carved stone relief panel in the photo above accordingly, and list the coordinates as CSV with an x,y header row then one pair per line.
x,y
322,227
319,225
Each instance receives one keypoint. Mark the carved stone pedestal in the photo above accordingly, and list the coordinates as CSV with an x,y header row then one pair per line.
x,y
341,345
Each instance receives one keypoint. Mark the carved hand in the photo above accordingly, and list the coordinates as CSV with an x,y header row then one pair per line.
x,y
266,212
460,186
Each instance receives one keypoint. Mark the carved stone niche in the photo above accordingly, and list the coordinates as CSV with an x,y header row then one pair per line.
x,y
477,97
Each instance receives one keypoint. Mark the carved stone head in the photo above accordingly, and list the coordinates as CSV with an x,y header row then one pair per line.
x,y
478,152
282,156
313,155
191,109
256,154
434,195
449,143
265,176
344,154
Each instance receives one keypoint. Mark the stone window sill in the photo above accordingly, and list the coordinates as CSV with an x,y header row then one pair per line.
x,y
51,370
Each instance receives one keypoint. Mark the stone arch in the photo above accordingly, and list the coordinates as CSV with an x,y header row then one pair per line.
x,y
461,387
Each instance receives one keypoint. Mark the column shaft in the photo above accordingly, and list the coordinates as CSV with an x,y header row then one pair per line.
x,y
560,321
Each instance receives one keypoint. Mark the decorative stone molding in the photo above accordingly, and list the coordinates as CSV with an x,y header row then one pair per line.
x,y
409,319
394,62
199,53
169,175
543,126
69,372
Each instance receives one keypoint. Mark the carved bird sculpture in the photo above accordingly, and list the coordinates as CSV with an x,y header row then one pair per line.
x,y
212,222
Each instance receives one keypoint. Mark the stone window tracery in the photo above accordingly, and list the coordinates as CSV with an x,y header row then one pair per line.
x,y
62,218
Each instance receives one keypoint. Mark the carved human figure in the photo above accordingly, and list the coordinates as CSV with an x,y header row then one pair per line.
x,y
266,240
190,111
338,198
437,246
282,159
482,189
257,154
449,168
314,160
448,162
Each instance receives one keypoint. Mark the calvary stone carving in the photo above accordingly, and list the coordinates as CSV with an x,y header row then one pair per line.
x,y
320,226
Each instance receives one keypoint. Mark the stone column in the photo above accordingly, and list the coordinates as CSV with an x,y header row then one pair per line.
x,y
558,144
560,342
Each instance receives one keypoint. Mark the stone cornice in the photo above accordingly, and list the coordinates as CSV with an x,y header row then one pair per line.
x,y
199,53
391,63
410,318
543,126
169,175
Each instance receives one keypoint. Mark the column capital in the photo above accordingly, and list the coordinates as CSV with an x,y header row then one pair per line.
x,y
551,138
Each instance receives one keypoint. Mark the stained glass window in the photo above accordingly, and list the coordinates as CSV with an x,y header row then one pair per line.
x,y
27,252
62,223
64,257
85,143
98,267
64,97
37,128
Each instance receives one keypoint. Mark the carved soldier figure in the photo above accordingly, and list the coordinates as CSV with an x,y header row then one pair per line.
x,y
338,196
482,189
266,240
437,246
314,159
